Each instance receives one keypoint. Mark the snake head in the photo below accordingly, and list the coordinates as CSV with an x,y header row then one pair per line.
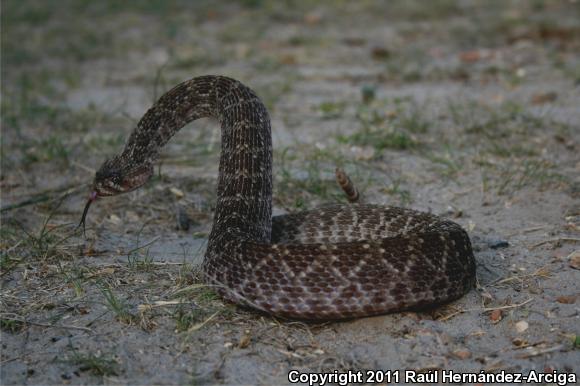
x,y
112,179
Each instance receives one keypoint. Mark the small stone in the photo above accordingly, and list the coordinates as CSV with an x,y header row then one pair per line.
x,y
497,243
176,192
115,219
362,153
183,220
574,259
521,326
380,53
368,93
462,354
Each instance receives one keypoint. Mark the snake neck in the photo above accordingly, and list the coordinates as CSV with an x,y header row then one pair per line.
x,y
244,192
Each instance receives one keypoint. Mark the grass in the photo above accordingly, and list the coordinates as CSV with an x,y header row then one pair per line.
x,y
52,148
7,262
331,109
33,103
514,177
506,137
97,364
46,244
446,163
138,262
116,305
495,123
76,279
105,143
11,326
303,182
185,318
389,124
395,189
278,48
190,316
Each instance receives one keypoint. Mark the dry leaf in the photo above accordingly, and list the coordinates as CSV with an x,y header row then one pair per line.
x,y
245,340
544,97
470,226
100,272
470,56
313,17
495,316
569,299
288,59
380,53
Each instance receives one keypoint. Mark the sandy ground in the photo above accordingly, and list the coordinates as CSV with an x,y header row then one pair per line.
x,y
465,109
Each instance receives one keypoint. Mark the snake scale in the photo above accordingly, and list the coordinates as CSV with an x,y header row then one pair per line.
x,y
335,262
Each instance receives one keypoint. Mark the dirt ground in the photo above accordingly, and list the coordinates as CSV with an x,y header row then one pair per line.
x,y
467,109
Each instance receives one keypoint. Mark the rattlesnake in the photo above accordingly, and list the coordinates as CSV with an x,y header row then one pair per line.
x,y
336,262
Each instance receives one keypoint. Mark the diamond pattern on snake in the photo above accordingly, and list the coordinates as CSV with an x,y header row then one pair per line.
x,y
335,262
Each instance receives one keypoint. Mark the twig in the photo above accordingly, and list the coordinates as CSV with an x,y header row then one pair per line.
x,y
559,239
42,197
159,303
12,359
543,271
197,326
541,352
527,230
66,327
84,167
144,245
451,315
486,309
192,287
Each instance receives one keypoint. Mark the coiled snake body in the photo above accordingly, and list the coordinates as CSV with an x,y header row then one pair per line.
x,y
335,262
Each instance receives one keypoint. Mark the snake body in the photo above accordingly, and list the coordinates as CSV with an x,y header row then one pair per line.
x,y
335,262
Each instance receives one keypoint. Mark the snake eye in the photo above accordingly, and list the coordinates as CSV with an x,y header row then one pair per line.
x,y
116,178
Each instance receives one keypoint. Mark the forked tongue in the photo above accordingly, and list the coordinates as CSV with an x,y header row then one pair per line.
x,y
92,198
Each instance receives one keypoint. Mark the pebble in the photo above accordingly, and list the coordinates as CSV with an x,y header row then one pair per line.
x,y
522,326
574,259
497,243
176,192
462,354
183,220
